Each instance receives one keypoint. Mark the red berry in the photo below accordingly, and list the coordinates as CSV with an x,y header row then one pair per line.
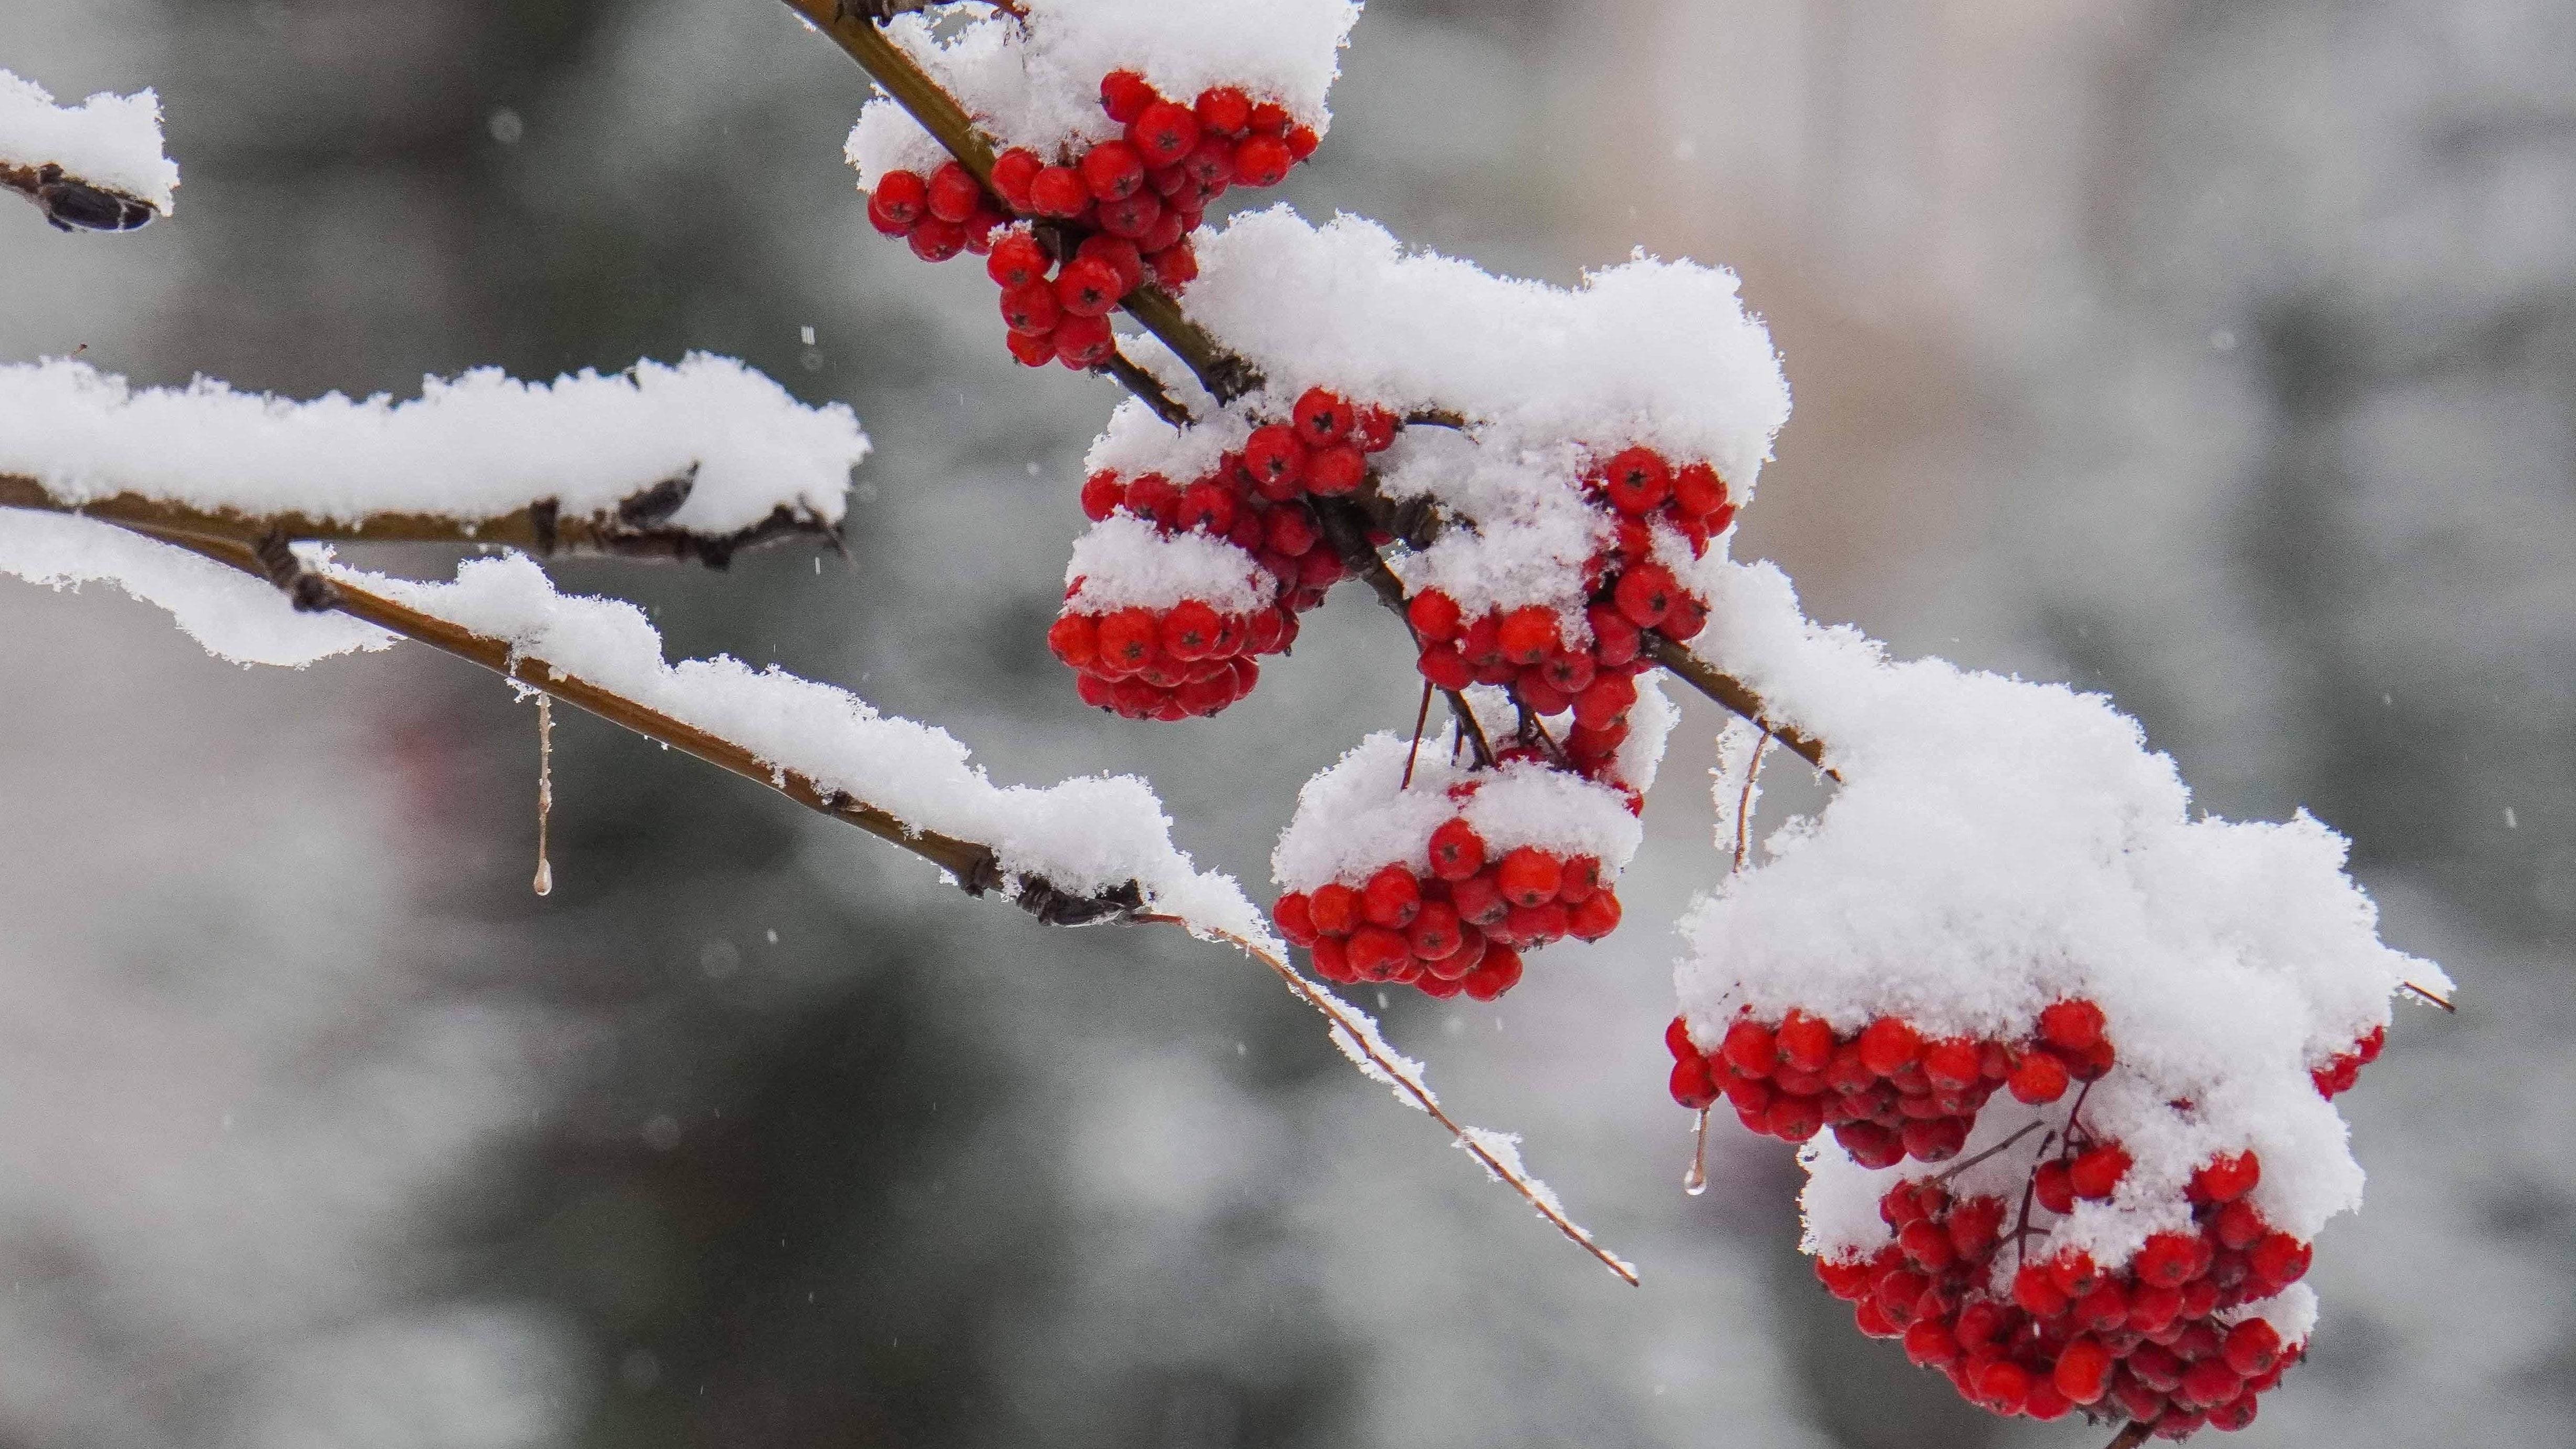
x,y
1101,494
1088,287
2238,1225
1017,260
2226,1178
2169,1260
1687,618
1499,972
1392,897
1132,217
1937,1140
1930,1344
1058,191
1294,921
1749,1047
1112,170
1529,634
1331,960
1032,308
1697,491
1889,1045
1175,266
1637,480
1434,615
1376,429
2083,1372
1128,639
2003,1386
2237,1413
1335,470
1190,630
1030,349
1645,595
1604,702
1335,909
1124,95
934,240
1691,1084
1225,111
1262,161
2074,1025
1794,1118
2209,1382
1323,417
1276,460
1153,496
1164,132
2038,1079
1122,257
1376,953
1013,170
2036,1291
953,193
1075,639
1435,931
2279,1259
1302,141
2096,1174
901,198
2252,1346
1205,505
1954,1064
1457,852
1445,667
1530,876
1270,118
1804,1042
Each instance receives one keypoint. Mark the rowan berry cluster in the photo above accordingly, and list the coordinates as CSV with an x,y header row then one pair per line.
x,y
1526,649
1067,240
2152,1342
1459,927
2343,1069
1195,658
1885,1091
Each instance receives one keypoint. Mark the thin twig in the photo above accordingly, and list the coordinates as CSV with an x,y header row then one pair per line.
x,y
2429,996
1147,388
2132,1434
1418,1094
1954,1169
73,203
633,529
1734,694
1421,717
1744,802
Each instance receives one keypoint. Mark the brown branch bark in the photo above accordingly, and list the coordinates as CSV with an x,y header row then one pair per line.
x,y
2132,1434
972,864
631,530
73,204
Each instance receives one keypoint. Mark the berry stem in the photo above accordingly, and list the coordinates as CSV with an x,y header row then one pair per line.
x,y
1744,801
1959,1167
2029,1190
1421,717
1146,388
2131,1435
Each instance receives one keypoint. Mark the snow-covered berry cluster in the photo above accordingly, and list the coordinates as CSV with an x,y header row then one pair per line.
x,y
1068,234
1885,1091
2177,1339
2342,1070
1249,505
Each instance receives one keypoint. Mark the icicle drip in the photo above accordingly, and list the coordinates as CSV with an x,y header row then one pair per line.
x,y
1695,1181
545,881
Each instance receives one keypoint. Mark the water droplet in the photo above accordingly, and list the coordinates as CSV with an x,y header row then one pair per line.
x,y
545,881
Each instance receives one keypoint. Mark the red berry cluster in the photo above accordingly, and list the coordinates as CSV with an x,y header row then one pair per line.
x,y
1191,659
1114,213
2142,1343
2343,1069
1168,664
1887,1093
1525,649
1460,928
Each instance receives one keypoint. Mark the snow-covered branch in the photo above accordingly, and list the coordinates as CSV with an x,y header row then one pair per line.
x,y
97,166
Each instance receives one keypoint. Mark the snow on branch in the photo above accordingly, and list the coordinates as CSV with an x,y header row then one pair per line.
x,y
96,166
693,460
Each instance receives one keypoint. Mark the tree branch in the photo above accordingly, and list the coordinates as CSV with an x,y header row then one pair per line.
x,y
634,529
973,865
72,204
2132,1434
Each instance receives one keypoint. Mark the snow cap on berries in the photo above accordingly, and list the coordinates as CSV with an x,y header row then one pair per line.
x,y
1358,815
1126,562
1037,84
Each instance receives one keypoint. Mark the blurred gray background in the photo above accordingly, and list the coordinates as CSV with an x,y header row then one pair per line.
x,y
2215,354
